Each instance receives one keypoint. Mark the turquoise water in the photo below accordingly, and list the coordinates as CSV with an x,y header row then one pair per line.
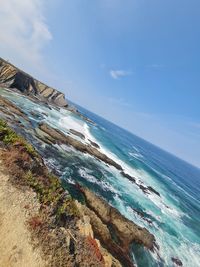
x,y
176,215
174,218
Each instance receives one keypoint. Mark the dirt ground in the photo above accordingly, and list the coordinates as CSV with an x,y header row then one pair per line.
x,y
16,249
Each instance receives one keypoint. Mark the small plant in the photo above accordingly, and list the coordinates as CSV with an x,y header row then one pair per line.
x,y
35,222
8,136
23,165
68,207
95,248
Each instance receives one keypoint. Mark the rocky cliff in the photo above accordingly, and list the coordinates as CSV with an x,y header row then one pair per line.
x,y
12,77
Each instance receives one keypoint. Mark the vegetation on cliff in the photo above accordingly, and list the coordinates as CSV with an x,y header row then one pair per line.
x,y
65,228
54,228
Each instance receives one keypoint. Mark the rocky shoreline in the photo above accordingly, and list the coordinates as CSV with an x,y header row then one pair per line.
x,y
84,233
95,221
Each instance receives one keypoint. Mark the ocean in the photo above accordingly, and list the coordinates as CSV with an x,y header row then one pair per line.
x,y
173,217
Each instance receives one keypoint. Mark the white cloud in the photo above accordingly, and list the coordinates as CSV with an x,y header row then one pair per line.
x,y
116,74
23,30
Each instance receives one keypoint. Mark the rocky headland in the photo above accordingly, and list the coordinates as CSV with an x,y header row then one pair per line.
x,y
13,77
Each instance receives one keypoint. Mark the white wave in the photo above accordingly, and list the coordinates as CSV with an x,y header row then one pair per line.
x,y
165,209
135,148
141,178
135,155
53,164
67,122
85,173
187,252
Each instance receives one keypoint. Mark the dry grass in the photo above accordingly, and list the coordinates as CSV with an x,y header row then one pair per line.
x,y
95,248
35,222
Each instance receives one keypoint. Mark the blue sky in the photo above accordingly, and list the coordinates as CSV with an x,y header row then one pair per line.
x,y
134,62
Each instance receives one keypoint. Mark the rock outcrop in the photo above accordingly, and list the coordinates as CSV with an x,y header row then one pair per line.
x,y
177,262
12,77
74,132
59,137
125,230
8,108
115,232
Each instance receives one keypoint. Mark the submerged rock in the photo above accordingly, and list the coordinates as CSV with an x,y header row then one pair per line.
x,y
130,178
177,261
142,215
94,144
153,190
148,189
145,189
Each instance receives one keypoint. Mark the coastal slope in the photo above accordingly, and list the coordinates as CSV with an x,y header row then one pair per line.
x,y
15,243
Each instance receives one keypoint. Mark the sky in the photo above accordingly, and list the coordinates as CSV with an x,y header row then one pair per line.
x,y
134,62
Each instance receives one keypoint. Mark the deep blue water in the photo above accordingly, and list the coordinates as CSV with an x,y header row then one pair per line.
x,y
174,217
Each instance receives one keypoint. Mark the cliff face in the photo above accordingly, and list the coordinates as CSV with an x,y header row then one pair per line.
x,y
12,77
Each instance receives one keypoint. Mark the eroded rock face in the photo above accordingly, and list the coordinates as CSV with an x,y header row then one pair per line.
x,y
114,231
102,232
125,230
12,77
86,230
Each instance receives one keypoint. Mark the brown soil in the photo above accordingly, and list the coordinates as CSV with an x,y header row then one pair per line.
x,y
15,242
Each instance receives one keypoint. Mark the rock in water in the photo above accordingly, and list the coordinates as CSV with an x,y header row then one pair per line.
x,y
177,261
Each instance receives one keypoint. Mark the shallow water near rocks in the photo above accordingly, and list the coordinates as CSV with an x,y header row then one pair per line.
x,y
174,217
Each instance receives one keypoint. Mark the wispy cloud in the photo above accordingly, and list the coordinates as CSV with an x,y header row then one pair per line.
x,y
116,74
23,29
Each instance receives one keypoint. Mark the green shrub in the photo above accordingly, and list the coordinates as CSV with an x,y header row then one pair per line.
x,y
47,186
8,136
